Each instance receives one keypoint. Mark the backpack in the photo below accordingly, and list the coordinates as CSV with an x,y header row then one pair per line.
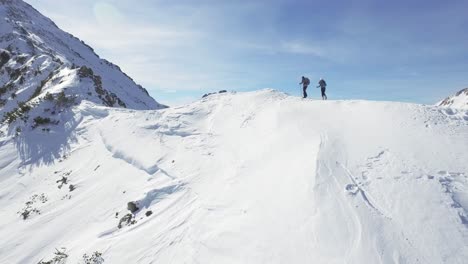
x,y
306,81
322,83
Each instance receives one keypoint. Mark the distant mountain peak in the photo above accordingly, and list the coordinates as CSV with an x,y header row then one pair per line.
x,y
459,100
39,60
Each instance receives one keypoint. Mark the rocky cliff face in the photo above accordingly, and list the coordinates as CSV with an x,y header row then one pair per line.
x,y
459,100
41,65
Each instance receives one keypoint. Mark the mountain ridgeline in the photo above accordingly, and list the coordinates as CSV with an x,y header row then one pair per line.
x,y
44,69
255,177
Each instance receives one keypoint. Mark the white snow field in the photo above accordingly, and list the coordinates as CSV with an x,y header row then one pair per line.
x,y
258,177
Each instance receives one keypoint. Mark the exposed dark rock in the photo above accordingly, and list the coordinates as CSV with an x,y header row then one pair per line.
x,y
4,58
29,207
132,207
450,100
62,181
208,94
60,257
95,258
108,98
127,220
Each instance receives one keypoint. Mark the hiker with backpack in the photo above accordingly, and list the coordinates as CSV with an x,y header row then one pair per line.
x,y
305,83
323,88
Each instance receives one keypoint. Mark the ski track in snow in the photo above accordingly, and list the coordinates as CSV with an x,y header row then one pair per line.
x,y
365,195
354,187
325,173
339,174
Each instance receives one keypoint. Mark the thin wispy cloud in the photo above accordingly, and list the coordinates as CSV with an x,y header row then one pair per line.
x,y
303,48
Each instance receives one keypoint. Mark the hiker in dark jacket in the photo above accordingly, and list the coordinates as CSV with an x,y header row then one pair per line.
x,y
323,88
305,83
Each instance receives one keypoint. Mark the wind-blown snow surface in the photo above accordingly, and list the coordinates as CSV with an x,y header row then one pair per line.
x,y
256,177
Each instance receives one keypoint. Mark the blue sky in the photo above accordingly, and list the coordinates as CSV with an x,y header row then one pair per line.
x,y
415,51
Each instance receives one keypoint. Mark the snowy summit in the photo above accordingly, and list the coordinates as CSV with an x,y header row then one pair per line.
x,y
93,170
459,100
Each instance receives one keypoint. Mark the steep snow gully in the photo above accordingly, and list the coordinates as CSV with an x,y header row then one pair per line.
x,y
258,177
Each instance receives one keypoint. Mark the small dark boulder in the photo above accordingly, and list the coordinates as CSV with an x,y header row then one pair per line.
x,y
208,94
62,181
25,214
132,207
4,58
148,213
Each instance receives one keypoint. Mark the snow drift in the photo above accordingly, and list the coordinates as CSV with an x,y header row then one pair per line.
x,y
257,177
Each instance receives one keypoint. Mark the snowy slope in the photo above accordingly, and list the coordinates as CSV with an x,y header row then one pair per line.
x,y
459,100
256,177
40,61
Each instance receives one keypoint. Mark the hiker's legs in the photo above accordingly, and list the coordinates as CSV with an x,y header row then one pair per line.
x,y
304,88
324,96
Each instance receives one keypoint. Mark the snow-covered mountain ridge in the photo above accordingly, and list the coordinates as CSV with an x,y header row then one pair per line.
x,y
257,177
90,172
459,100
44,67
